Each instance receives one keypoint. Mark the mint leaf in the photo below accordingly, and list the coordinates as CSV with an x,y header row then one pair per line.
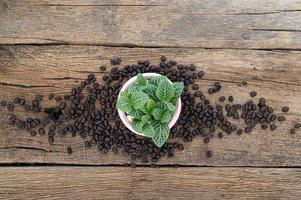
x,y
148,130
145,119
156,80
161,105
124,103
141,80
166,116
137,126
178,87
150,90
165,90
138,99
150,104
137,114
170,106
133,89
161,133
157,113
161,115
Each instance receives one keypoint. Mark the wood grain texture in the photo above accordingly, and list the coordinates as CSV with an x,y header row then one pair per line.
x,y
253,24
29,70
147,183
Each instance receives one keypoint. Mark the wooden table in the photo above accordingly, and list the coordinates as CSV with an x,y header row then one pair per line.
x,y
49,46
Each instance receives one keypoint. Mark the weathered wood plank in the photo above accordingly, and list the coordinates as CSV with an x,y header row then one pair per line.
x,y
147,183
29,70
180,23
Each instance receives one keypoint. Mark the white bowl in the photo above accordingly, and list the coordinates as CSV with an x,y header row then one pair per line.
x,y
123,116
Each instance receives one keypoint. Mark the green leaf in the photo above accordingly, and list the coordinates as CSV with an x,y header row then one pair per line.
x,y
145,118
161,115
179,87
137,114
156,80
138,99
161,105
141,80
170,106
144,110
161,133
133,89
124,103
148,130
166,116
137,126
165,90
150,105
157,113
151,91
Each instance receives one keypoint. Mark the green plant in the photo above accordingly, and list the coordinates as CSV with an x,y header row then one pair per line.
x,y
152,104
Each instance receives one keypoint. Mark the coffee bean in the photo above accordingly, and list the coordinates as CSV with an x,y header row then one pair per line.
x,y
239,132
298,125
230,99
102,68
209,154
281,118
51,96
3,103
50,139
253,94
285,109
38,97
33,133
195,87
264,126
273,127
163,58
222,98
116,61
69,150
220,135
41,131
293,131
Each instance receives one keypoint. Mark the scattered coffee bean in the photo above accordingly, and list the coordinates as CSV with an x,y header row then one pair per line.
x,y
298,125
195,87
102,68
253,94
281,118
222,98
209,154
285,109
69,150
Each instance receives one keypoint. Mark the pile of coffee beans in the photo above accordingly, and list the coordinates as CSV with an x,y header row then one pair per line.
x,y
89,111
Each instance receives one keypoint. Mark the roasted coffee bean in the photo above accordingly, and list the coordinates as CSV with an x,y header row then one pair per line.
x,y
253,94
209,154
38,97
298,125
116,61
51,96
285,109
239,132
50,139
3,103
69,150
293,131
10,107
102,68
264,126
222,98
16,100
273,127
41,131
230,99
281,118
220,135
33,133
163,58
195,87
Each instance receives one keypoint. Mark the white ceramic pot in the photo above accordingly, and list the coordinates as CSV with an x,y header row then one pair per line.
x,y
123,116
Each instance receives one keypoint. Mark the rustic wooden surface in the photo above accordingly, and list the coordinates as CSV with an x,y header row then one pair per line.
x,y
147,183
49,46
